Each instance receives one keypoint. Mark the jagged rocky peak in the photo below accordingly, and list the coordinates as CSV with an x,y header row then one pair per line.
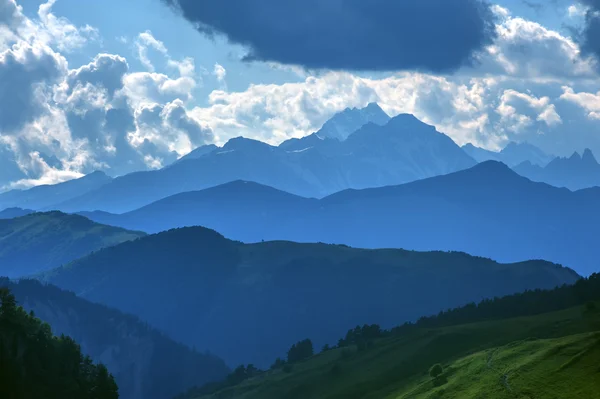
x,y
344,123
575,157
588,157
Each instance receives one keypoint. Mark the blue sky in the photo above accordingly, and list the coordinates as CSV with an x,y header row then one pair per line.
x,y
129,85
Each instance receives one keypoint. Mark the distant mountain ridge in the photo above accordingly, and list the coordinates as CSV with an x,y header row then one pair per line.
x,y
488,210
575,173
46,196
248,303
403,149
512,155
10,213
40,241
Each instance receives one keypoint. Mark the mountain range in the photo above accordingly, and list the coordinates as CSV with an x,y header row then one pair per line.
x,y
356,148
488,210
512,155
10,213
249,303
47,196
402,149
40,241
575,172
146,364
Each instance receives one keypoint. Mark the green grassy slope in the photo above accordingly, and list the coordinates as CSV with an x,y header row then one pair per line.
x,y
558,368
41,241
556,353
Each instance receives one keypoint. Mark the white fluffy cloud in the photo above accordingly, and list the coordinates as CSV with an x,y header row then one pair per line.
x,y
60,31
141,87
589,102
60,123
527,49
532,108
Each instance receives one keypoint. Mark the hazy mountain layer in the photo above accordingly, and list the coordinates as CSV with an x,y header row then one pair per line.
x,y
487,210
41,241
576,172
47,196
248,303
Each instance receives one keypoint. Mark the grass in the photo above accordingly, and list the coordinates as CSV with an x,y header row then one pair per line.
x,y
557,368
554,355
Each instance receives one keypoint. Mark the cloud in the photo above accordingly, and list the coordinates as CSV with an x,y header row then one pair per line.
x,y
589,102
220,72
144,41
176,117
106,70
57,123
140,87
576,11
9,169
11,15
165,132
432,35
185,67
533,109
23,68
67,36
274,113
47,174
527,49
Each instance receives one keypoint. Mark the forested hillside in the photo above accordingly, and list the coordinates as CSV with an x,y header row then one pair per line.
x,y
146,364
36,364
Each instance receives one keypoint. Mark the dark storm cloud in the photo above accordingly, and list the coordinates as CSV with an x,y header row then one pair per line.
x,y
590,36
432,35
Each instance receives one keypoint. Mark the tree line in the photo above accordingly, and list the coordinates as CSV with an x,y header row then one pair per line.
x,y
36,364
